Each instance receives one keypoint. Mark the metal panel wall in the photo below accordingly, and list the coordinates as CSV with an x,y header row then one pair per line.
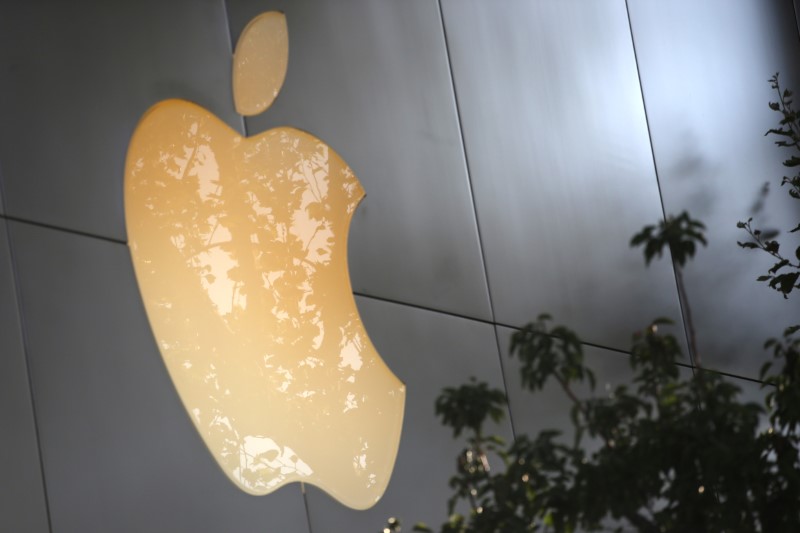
x,y
22,498
76,78
371,79
704,68
560,160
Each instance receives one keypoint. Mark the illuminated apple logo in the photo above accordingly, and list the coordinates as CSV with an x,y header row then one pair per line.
x,y
240,250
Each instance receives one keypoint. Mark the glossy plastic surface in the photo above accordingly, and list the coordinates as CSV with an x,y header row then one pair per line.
x,y
260,62
240,251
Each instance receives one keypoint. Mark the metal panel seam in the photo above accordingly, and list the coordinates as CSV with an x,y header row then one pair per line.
x,y
25,344
515,328
681,303
2,193
231,45
474,207
44,225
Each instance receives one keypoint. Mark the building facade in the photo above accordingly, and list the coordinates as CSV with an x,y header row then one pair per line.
x,y
508,149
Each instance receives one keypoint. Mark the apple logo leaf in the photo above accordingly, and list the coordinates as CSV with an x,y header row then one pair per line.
x,y
260,62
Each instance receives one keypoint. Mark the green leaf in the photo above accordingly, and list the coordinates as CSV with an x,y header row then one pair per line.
x,y
787,282
780,131
678,233
765,369
779,265
792,161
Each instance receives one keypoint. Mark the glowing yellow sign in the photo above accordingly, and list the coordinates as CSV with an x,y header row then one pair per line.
x,y
240,250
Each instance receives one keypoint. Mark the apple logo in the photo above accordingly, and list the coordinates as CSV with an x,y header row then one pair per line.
x,y
239,245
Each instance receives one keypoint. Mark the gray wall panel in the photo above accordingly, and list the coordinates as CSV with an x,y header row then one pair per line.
x,y
76,77
704,67
120,452
428,351
557,143
22,499
371,79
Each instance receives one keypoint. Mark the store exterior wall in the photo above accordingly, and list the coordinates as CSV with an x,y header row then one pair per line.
x,y
508,150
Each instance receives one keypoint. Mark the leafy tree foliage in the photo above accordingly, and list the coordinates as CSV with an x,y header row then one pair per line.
x,y
667,453
785,273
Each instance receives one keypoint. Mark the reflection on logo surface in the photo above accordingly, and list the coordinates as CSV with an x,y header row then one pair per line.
x,y
240,250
